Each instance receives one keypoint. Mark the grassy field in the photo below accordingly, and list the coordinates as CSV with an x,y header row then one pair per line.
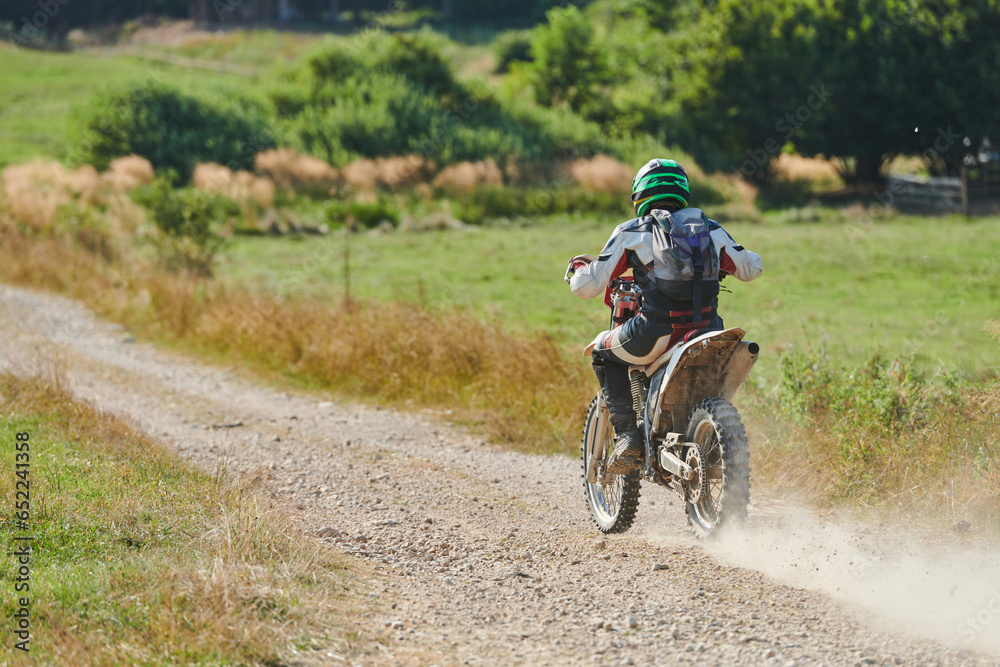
x,y
138,558
45,93
837,287
914,286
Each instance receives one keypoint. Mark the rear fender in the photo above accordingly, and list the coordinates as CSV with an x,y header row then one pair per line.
x,y
713,364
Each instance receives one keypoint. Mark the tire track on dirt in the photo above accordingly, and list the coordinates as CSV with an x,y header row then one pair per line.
x,y
481,556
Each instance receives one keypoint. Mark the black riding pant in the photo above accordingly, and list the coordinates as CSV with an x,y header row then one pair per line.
x,y
638,342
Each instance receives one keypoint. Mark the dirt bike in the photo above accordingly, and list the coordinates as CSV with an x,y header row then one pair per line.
x,y
695,442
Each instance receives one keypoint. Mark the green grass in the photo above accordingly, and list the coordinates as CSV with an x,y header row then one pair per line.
x,y
140,558
908,286
44,95
44,92
254,48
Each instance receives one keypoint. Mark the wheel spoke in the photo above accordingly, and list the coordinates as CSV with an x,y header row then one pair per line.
x,y
716,427
613,504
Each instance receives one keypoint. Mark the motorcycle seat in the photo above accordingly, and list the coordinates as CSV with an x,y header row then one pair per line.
x,y
661,360
712,338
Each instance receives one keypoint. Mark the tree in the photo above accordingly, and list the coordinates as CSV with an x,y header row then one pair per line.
x,y
569,66
58,17
854,79
747,83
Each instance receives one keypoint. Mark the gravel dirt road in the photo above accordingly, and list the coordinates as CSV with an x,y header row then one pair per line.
x,y
487,557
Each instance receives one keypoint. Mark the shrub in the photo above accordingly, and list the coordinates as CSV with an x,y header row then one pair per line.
x,y
420,62
510,47
526,204
785,193
569,67
362,214
190,222
860,407
343,105
174,130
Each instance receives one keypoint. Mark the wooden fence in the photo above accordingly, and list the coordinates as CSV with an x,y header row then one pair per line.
x,y
912,193
979,185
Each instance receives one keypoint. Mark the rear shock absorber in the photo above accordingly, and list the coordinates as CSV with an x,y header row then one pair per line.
x,y
638,392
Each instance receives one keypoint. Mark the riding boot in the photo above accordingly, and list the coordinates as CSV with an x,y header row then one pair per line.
x,y
617,392
627,454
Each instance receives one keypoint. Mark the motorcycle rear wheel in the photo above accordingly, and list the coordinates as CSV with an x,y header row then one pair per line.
x,y
613,506
718,429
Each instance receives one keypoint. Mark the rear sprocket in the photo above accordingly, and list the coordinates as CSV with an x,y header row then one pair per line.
x,y
696,486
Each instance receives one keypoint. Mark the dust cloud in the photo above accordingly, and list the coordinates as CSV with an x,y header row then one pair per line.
x,y
933,588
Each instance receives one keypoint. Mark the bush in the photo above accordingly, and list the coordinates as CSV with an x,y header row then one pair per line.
x,y
190,222
511,47
363,214
527,204
880,394
420,62
397,96
784,193
871,415
174,130
569,67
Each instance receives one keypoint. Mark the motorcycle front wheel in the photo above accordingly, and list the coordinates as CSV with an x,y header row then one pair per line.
x,y
613,505
716,427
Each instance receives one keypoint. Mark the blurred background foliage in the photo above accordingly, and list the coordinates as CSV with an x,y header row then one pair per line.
x,y
733,84
150,145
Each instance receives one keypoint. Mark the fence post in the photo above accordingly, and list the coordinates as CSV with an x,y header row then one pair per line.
x,y
964,177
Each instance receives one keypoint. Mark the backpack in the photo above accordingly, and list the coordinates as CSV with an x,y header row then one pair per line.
x,y
684,256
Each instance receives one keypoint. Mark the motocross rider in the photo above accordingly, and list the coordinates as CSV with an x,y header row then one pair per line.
x,y
663,320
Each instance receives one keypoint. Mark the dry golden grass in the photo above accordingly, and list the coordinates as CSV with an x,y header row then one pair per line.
x,y
466,176
523,391
241,186
390,172
85,182
815,170
941,465
293,171
993,326
741,200
35,192
127,172
907,164
192,566
603,174
918,477
991,397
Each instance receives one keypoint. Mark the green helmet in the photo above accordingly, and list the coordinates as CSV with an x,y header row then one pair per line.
x,y
659,180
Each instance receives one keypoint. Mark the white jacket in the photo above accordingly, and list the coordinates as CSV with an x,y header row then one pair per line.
x,y
631,246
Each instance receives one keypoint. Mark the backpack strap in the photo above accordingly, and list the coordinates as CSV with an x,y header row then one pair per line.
x,y
699,270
